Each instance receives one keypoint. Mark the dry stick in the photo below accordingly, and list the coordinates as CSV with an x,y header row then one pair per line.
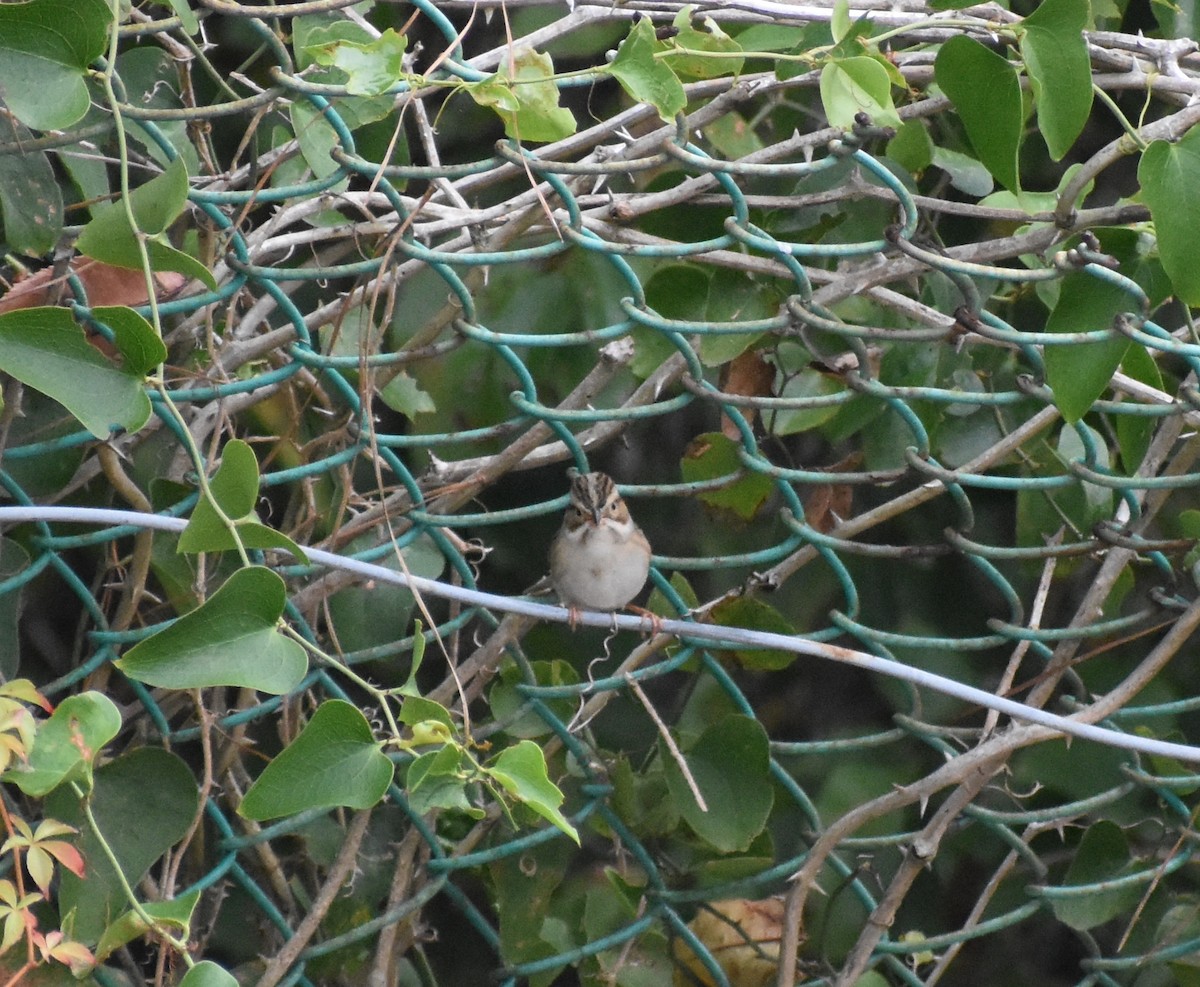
x,y
1035,620
206,750
944,961
923,849
388,947
342,868
676,753
961,767
139,565
1115,562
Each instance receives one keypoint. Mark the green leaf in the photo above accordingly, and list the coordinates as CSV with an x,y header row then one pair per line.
x,y
966,174
732,136
67,744
730,764
524,96
46,47
404,395
336,761
235,487
1060,70
30,200
746,611
372,67
155,206
438,780
89,175
839,21
800,382
735,297
645,78
524,886
1089,502
187,17
770,37
912,147
510,707
375,613
206,973
1181,924
44,348
314,33
1169,175
135,339
713,455
418,709
521,771
1135,431
984,89
175,916
674,291
315,136
859,84
712,39
231,639
144,802
151,80
1103,854
1079,374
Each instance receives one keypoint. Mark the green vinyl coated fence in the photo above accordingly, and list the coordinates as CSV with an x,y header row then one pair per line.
x,y
879,319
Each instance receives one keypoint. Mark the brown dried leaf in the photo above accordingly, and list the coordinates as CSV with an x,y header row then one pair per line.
x,y
104,284
742,935
831,503
747,375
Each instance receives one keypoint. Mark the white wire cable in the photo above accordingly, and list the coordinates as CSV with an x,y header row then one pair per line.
x,y
706,633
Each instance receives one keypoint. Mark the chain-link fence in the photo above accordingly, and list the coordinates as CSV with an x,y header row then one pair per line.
x,y
936,438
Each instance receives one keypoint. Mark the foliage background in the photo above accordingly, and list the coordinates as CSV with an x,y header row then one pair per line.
x,y
879,317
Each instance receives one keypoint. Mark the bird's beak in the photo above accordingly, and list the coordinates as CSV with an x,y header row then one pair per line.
x,y
596,515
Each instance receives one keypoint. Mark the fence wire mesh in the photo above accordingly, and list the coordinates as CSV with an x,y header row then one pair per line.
x,y
822,387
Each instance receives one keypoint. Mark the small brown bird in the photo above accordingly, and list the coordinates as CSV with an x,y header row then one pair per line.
x,y
599,559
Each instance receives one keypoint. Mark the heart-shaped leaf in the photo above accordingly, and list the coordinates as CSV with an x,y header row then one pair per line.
x,y
232,639
206,973
143,802
1060,70
645,78
46,47
46,349
155,206
1169,174
336,761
